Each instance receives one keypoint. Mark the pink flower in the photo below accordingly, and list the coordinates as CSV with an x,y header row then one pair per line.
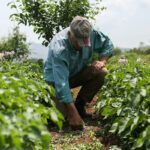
x,y
12,52
6,53
122,61
1,54
21,56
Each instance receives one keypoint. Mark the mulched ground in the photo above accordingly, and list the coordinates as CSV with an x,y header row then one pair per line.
x,y
95,125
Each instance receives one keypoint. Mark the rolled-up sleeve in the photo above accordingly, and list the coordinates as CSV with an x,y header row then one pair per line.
x,y
107,48
61,74
103,45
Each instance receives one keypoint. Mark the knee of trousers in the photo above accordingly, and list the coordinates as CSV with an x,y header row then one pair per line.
x,y
102,73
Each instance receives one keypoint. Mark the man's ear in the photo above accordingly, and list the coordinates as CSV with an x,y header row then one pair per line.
x,y
69,33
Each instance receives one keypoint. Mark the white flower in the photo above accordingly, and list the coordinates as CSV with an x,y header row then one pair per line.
x,y
138,60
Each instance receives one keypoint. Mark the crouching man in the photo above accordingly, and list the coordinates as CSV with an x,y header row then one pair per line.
x,y
67,66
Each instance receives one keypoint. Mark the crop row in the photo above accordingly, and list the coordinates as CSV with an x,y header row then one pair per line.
x,y
124,101
23,111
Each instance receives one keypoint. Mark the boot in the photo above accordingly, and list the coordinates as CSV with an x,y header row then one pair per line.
x,y
79,103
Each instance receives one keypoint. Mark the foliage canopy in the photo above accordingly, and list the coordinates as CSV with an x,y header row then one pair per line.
x,y
50,16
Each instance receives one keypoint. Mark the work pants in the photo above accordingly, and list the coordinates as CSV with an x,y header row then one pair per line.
x,y
90,83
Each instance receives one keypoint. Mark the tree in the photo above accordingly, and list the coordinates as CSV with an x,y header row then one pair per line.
x,y
147,51
141,45
50,16
15,42
117,51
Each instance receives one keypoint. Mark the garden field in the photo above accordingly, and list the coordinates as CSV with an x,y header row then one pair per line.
x,y
29,119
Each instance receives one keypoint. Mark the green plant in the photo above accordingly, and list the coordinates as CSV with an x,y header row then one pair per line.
x,y
124,100
23,113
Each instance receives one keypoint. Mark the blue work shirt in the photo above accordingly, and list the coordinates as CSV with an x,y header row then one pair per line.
x,y
64,61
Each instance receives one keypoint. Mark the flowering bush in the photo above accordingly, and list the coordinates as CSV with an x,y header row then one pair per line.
x,y
14,44
7,55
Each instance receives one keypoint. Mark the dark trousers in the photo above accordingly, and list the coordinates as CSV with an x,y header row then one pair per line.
x,y
90,83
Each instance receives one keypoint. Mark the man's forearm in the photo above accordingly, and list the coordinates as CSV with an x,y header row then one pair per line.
x,y
104,59
71,108
74,118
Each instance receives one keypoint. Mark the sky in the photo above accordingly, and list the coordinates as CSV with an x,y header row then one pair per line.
x,y
126,22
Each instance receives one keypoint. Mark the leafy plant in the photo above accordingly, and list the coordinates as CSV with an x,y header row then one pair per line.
x,y
124,100
23,113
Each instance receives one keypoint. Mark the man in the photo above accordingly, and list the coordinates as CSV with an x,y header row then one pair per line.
x,y
67,66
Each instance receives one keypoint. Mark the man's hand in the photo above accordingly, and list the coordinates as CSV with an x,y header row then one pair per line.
x,y
75,121
97,65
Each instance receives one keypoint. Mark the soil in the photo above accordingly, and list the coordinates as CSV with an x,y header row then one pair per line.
x,y
95,125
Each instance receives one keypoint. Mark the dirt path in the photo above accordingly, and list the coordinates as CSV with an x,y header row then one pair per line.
x,y
91,137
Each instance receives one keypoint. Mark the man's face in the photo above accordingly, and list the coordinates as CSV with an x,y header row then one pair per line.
x,y
74,43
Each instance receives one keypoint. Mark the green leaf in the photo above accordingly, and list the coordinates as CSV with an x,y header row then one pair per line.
x,y
143,92
136,100
13,6
108,111
53,115
46,139
125,123
119,111
23,2
114,127
9,3
1,91
139,143
133,82
134,123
